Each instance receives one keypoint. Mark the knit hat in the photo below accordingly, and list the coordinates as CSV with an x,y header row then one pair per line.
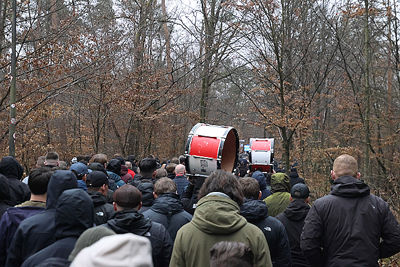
x,y
123,250
300,191
88,238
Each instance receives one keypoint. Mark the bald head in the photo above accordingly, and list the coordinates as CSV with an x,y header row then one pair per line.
x,y
345,165
180,170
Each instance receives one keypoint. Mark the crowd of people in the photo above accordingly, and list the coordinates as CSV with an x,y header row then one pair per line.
x,y
98,211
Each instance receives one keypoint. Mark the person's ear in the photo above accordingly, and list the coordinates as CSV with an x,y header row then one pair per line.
x,y
259,194
358,175
155,195
307,200
115,206
154,174
333,175
139,206
290,198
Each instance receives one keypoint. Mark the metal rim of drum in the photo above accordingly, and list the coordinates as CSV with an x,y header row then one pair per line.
x,y
227,152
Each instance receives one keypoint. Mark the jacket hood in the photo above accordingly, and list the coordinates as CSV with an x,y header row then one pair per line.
x,y
74,213
218,215
97,198
260,177
168,204
280,182
60,181
11,168
114,166
348,186
254,210
113,176
129,221
4,188
297,210
146,188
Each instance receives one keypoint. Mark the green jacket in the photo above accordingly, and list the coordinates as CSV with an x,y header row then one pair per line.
x,y
216,219
280,198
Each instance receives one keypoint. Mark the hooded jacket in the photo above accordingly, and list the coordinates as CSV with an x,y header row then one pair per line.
x,y
37,232
19,192
146,187
4,194
256,212
9,223
295,178
293,220
353,227
262,182
103,211
216,219
168,210
280,198
130,221
74,214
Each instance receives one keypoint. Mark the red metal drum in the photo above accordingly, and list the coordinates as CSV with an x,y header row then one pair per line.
x,y
211,147
261,154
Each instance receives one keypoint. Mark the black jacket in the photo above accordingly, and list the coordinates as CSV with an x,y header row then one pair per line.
x,y
19,192
37,232
256,212
130,221
146,187
74,214
167,209
295,179
349,227
293,220
4,194
103,211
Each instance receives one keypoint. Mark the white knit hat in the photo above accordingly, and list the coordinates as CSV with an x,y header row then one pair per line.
x,y
124,250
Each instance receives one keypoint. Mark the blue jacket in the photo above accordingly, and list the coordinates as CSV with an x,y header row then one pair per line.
x,y
37,232
74,214
9,223
260,177
117,179
181,184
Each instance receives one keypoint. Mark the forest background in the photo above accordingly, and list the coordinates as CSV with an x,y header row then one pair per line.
x,y
132,77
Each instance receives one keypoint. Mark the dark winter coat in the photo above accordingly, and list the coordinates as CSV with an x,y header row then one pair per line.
x,y
103,211
349,227
4,194
167,209
295,179
19,192
130,221
74,214
181,184
37,232
262,182
189,196
146,187
256,212
115,181
9,223
125,175
293,220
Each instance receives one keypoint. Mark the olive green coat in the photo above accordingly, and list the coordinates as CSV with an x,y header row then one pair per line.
x,y
216,219
280,198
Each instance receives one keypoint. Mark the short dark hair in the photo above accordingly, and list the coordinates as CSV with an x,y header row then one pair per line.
x,y
231,254
250,187
175,160
52,155
127,196
147,166
39,179
164,185
224,182
170,167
